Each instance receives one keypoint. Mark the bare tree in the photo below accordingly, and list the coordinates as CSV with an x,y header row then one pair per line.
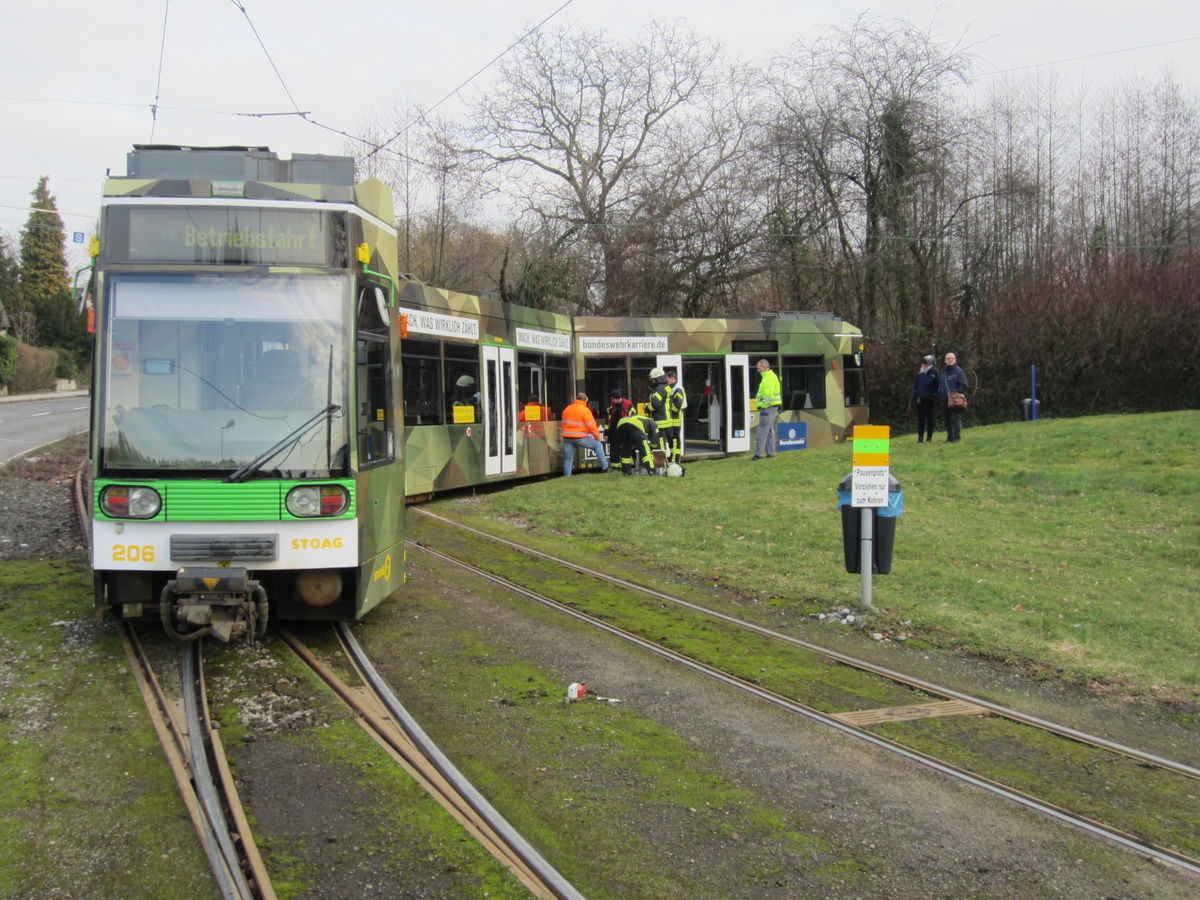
x,y
866,114
443,236
606,143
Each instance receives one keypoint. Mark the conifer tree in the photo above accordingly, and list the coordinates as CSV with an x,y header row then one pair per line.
x,y
9,270
43,257
44,282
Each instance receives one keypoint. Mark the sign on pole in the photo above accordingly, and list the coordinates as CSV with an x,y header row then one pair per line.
x,y
869,481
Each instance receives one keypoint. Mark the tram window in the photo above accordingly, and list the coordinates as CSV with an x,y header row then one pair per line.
x,y
531,375
373,313
559,394
374,423
462,384
639,381
602,375
739,399
373,377
803,379
856,379
422,382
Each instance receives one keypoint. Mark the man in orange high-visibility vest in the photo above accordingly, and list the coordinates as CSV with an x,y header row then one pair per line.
x,y
579,429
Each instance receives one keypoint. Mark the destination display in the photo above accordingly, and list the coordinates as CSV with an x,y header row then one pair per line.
x,y
222,235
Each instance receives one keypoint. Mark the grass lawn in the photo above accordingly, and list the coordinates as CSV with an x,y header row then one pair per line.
x,y
1068,546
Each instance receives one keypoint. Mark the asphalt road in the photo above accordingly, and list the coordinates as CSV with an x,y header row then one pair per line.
x,y
31,421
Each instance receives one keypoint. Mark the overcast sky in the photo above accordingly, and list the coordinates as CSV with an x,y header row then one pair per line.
x,y
80,77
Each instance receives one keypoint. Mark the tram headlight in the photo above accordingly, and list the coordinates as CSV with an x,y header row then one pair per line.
x,y
309,501
130,502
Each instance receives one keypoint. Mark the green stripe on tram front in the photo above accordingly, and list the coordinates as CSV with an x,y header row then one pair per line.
x,y
208,501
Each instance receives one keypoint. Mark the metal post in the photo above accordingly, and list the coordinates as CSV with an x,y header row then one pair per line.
x,y
866,558
1033,393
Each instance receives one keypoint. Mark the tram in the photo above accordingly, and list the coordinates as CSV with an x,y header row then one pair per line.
x,y
484,385
269,392
246,392
818,358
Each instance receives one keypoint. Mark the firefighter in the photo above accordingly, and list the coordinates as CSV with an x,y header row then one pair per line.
x,y
673,439
660,408
619,407
636,434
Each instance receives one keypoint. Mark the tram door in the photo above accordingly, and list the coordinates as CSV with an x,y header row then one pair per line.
x,y
737,409
499,398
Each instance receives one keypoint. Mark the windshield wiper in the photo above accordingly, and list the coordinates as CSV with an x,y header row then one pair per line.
x,y
287,442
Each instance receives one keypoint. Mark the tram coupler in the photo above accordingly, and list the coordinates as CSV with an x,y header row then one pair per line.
x,y
222,602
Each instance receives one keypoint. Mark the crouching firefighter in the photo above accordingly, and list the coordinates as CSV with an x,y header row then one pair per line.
x,y
636,434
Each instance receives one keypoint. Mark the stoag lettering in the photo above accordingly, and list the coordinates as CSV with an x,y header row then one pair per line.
x,y
317,543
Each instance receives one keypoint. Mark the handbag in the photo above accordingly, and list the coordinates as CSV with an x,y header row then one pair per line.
x,y
955,400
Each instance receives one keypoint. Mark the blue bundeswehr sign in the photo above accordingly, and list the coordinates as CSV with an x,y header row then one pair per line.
x,y
792,436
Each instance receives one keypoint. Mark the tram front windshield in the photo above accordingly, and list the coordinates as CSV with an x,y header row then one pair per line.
x,y
215,372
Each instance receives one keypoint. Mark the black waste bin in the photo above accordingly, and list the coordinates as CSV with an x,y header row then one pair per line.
x,y
883,527
1029,409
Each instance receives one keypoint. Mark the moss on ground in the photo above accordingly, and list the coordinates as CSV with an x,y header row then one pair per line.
x,y
658,820
375,812
1152,804
88,806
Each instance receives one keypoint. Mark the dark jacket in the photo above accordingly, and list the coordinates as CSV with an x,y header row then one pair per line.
x,y
617,410
660,403
953,379
925,387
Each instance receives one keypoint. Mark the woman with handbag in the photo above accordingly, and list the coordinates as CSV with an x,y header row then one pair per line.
x,y
952,394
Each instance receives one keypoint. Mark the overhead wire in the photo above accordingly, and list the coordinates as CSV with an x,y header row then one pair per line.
x,y
481,70
267,53
306,116
162,51
1086,56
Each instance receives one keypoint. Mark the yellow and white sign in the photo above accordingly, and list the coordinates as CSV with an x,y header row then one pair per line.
x,y
869,479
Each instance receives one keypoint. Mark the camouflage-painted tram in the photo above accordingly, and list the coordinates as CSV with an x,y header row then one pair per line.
x,y
269,392
486,382
246,392
484,385
818,358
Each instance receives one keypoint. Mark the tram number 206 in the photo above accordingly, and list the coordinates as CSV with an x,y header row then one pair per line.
x,y
132,553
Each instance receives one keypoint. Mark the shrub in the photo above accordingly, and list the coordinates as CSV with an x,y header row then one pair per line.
x,y
35,370
66,367
8,358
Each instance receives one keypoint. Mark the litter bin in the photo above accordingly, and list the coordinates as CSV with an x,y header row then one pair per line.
x,y
883,527
1029,409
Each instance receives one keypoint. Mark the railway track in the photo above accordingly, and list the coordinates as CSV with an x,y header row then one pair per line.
x,y
197,760
1093,809
383,717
